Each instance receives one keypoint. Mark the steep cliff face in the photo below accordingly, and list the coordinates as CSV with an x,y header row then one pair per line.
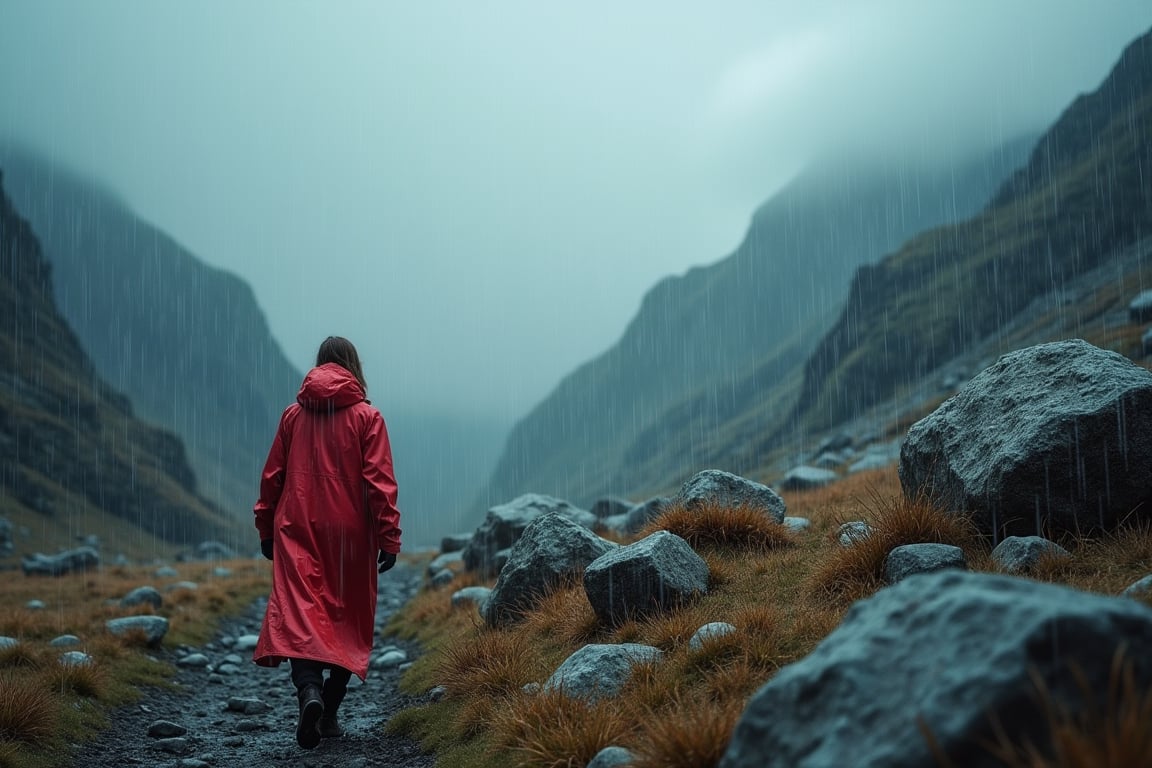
x,y
1082,198
705,347
70,442
185,342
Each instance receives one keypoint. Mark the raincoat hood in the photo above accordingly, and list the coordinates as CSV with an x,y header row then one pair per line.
x,y
329,387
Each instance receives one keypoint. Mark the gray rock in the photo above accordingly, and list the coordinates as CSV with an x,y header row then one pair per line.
x,y
611,757
1019,554
76,659
805,478
8,642
234,658
836,442
174,746
550,549
215,550
911,559
233,741
505,523
645,512
797,524
153,627
599,671
713,486
179,586
247,706
166,729
952,649
193,661
64,641
829,460
221,572
35,605
246,643
166,572
79,559
1140,308
142,596
443,578
618,523
531,689
454,542
228,669
870,461
709,632
1050,438
441,562
470,596
850,533
1141,589
389,660
437,694
249,726
610,506
656,573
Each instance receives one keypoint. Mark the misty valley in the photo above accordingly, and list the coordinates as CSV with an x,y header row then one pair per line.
x,y
874,489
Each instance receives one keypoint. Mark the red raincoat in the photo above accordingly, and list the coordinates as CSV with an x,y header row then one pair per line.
x,y
328,502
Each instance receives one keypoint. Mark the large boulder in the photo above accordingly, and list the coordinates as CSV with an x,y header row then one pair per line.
x,y
79,559
713,486
600,671
551,548
1052,438
656,573
952,650
504,524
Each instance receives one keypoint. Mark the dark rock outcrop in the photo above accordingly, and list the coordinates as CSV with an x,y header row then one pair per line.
x,y
862,697
1052,438
551,549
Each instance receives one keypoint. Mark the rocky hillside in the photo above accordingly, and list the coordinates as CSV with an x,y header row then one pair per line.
x,y
711,354
1080,206
70,442
185,342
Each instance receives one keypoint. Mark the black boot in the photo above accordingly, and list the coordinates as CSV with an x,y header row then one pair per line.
x,y
333,694
311,710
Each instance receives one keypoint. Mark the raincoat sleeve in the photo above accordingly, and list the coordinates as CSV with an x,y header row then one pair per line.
x,y
380,484
272,481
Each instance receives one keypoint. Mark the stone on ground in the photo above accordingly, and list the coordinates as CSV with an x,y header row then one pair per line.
x,y
911,559
153,627
713,486
599,671
654,574
504,524
1019,554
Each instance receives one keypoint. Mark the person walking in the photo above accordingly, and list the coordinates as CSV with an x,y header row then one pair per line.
x,y
328,521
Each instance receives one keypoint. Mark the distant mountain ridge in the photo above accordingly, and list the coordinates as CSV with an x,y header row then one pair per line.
x,y
704,348
185,341
70,442
1079,204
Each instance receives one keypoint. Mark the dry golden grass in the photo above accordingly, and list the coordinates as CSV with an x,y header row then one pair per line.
x,y
29,712
551,730
693,732
858,570
80,604
713,526
783,598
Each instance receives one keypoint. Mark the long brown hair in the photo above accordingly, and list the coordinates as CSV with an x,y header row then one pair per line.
x,y
337,349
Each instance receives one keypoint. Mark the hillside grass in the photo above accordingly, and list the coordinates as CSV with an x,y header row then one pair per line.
x,y
784,591
45,706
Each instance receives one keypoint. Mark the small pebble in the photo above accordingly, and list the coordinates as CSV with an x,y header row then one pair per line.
x,y
247,726
193,661
174,746
233,741
166,729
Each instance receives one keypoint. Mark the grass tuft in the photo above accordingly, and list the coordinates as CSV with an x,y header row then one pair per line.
x,y
716,526
29,713
692,732
552,730
857,571
492,664
85,680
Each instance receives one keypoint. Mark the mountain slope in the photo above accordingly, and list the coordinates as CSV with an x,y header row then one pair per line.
x,y
704,347
70,443
186,342
1084,197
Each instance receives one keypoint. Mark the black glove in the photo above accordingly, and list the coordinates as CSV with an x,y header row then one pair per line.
x,y
386,560
266,548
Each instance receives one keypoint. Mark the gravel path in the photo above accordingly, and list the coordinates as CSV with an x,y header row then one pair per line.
x,y
238,714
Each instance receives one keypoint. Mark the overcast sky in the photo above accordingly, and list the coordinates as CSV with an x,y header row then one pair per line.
x,y
479,193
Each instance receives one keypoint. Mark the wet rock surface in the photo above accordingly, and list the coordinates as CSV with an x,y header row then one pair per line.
x,y
248,717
